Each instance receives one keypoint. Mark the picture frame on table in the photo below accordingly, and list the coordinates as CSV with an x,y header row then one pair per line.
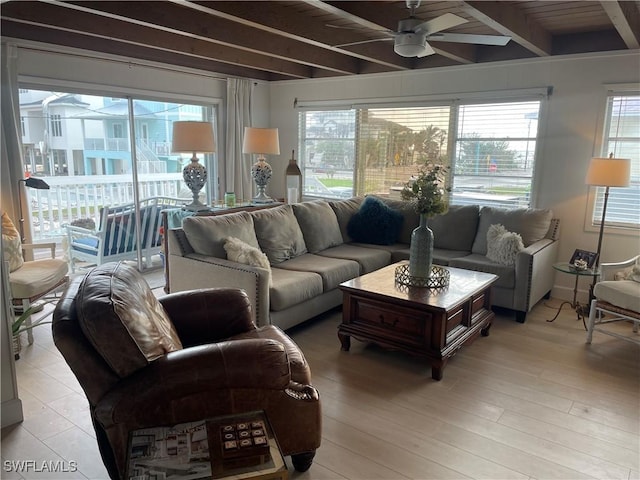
x,y
589,257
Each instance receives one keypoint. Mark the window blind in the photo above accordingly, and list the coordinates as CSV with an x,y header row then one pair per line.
x,y
622,138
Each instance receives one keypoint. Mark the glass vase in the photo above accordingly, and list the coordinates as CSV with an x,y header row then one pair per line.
x,y
421,250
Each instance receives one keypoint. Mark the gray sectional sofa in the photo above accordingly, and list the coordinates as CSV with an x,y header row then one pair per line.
x,y
311,251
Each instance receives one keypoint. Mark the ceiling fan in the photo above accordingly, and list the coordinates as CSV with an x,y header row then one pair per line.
x,y
413,34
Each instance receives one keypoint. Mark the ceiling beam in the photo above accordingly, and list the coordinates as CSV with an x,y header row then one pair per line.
x,y
280,19
58,19
11,29
507,19
625,17
176,19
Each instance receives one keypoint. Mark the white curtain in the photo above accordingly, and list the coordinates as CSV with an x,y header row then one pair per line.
x,y
237,171
11,151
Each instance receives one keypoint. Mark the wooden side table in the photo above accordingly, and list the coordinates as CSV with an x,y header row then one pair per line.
x,y
581,310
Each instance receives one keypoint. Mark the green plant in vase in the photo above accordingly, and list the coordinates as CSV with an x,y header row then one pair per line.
x,y
428,195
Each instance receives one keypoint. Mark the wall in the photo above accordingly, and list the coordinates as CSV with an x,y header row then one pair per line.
x,y
574,113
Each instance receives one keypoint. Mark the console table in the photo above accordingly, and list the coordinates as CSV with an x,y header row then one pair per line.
x,y
173,217
431,323
582,311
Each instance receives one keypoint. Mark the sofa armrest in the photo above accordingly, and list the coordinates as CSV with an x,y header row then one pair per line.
x,y
175,380
534,273
194,271
208,315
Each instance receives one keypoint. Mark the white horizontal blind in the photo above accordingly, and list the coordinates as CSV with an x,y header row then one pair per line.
x,y
394,142
327,152
373,149
622,138
494,153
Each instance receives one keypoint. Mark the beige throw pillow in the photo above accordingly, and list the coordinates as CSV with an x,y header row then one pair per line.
x,y
631,273
502,245
11,244
241,252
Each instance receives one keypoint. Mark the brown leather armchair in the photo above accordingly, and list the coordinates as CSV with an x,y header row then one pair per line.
x,y
197,356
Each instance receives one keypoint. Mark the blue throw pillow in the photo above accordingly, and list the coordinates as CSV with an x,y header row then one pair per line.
x,y
375,222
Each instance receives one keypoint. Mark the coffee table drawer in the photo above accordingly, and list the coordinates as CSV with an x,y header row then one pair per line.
x,y
402,322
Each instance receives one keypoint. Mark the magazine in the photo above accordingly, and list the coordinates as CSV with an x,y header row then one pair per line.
x,y
237,446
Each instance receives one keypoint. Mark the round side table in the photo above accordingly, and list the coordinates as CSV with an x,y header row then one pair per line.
x,y
581,310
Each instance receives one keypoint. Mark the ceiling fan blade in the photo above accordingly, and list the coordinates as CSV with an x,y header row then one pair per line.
x,y
497,40
427,51
361,42
443,22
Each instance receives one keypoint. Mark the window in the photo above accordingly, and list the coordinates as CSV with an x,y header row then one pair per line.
x,y
489,147
118,130
621,137
495,153
56,125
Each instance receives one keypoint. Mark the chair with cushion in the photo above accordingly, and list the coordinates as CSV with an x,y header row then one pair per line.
x,y
187,356
31,280
617,299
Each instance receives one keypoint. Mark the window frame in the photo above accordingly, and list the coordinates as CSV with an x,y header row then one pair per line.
x,y
601,141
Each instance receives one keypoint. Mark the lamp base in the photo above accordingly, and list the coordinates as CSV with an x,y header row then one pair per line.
x,y
261,173
195,207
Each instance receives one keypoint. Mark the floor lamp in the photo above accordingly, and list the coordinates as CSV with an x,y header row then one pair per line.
x,y
31,182
606,172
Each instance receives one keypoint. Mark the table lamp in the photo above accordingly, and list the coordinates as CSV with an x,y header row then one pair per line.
x,y
192,137
262,141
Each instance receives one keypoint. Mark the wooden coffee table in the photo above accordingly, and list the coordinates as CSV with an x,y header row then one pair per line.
x,y
431,323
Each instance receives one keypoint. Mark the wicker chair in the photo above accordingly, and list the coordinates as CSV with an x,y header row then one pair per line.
x,y
617,298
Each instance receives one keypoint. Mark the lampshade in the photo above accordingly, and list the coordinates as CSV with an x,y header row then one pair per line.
x,y
261,140
609,172
191,137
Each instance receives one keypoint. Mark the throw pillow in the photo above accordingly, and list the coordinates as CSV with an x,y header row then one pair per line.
x,y
502,245
11,244
375,223
241,252
631,273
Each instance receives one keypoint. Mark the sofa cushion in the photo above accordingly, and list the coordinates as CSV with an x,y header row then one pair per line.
x,y
370,259
480,263
333,271
531,224
290,288
344,210
621,293
240,252
278,233
208,234
375,222
455,229
502,245
319,225
122,319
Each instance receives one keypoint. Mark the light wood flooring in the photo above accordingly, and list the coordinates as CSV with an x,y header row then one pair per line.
x,y
530,401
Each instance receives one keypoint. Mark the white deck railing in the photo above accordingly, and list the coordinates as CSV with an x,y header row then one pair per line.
x,y
71,198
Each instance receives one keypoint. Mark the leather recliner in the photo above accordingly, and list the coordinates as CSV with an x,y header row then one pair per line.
x,y
187,356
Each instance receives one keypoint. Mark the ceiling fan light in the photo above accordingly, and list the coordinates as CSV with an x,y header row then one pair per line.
x,y
410,44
